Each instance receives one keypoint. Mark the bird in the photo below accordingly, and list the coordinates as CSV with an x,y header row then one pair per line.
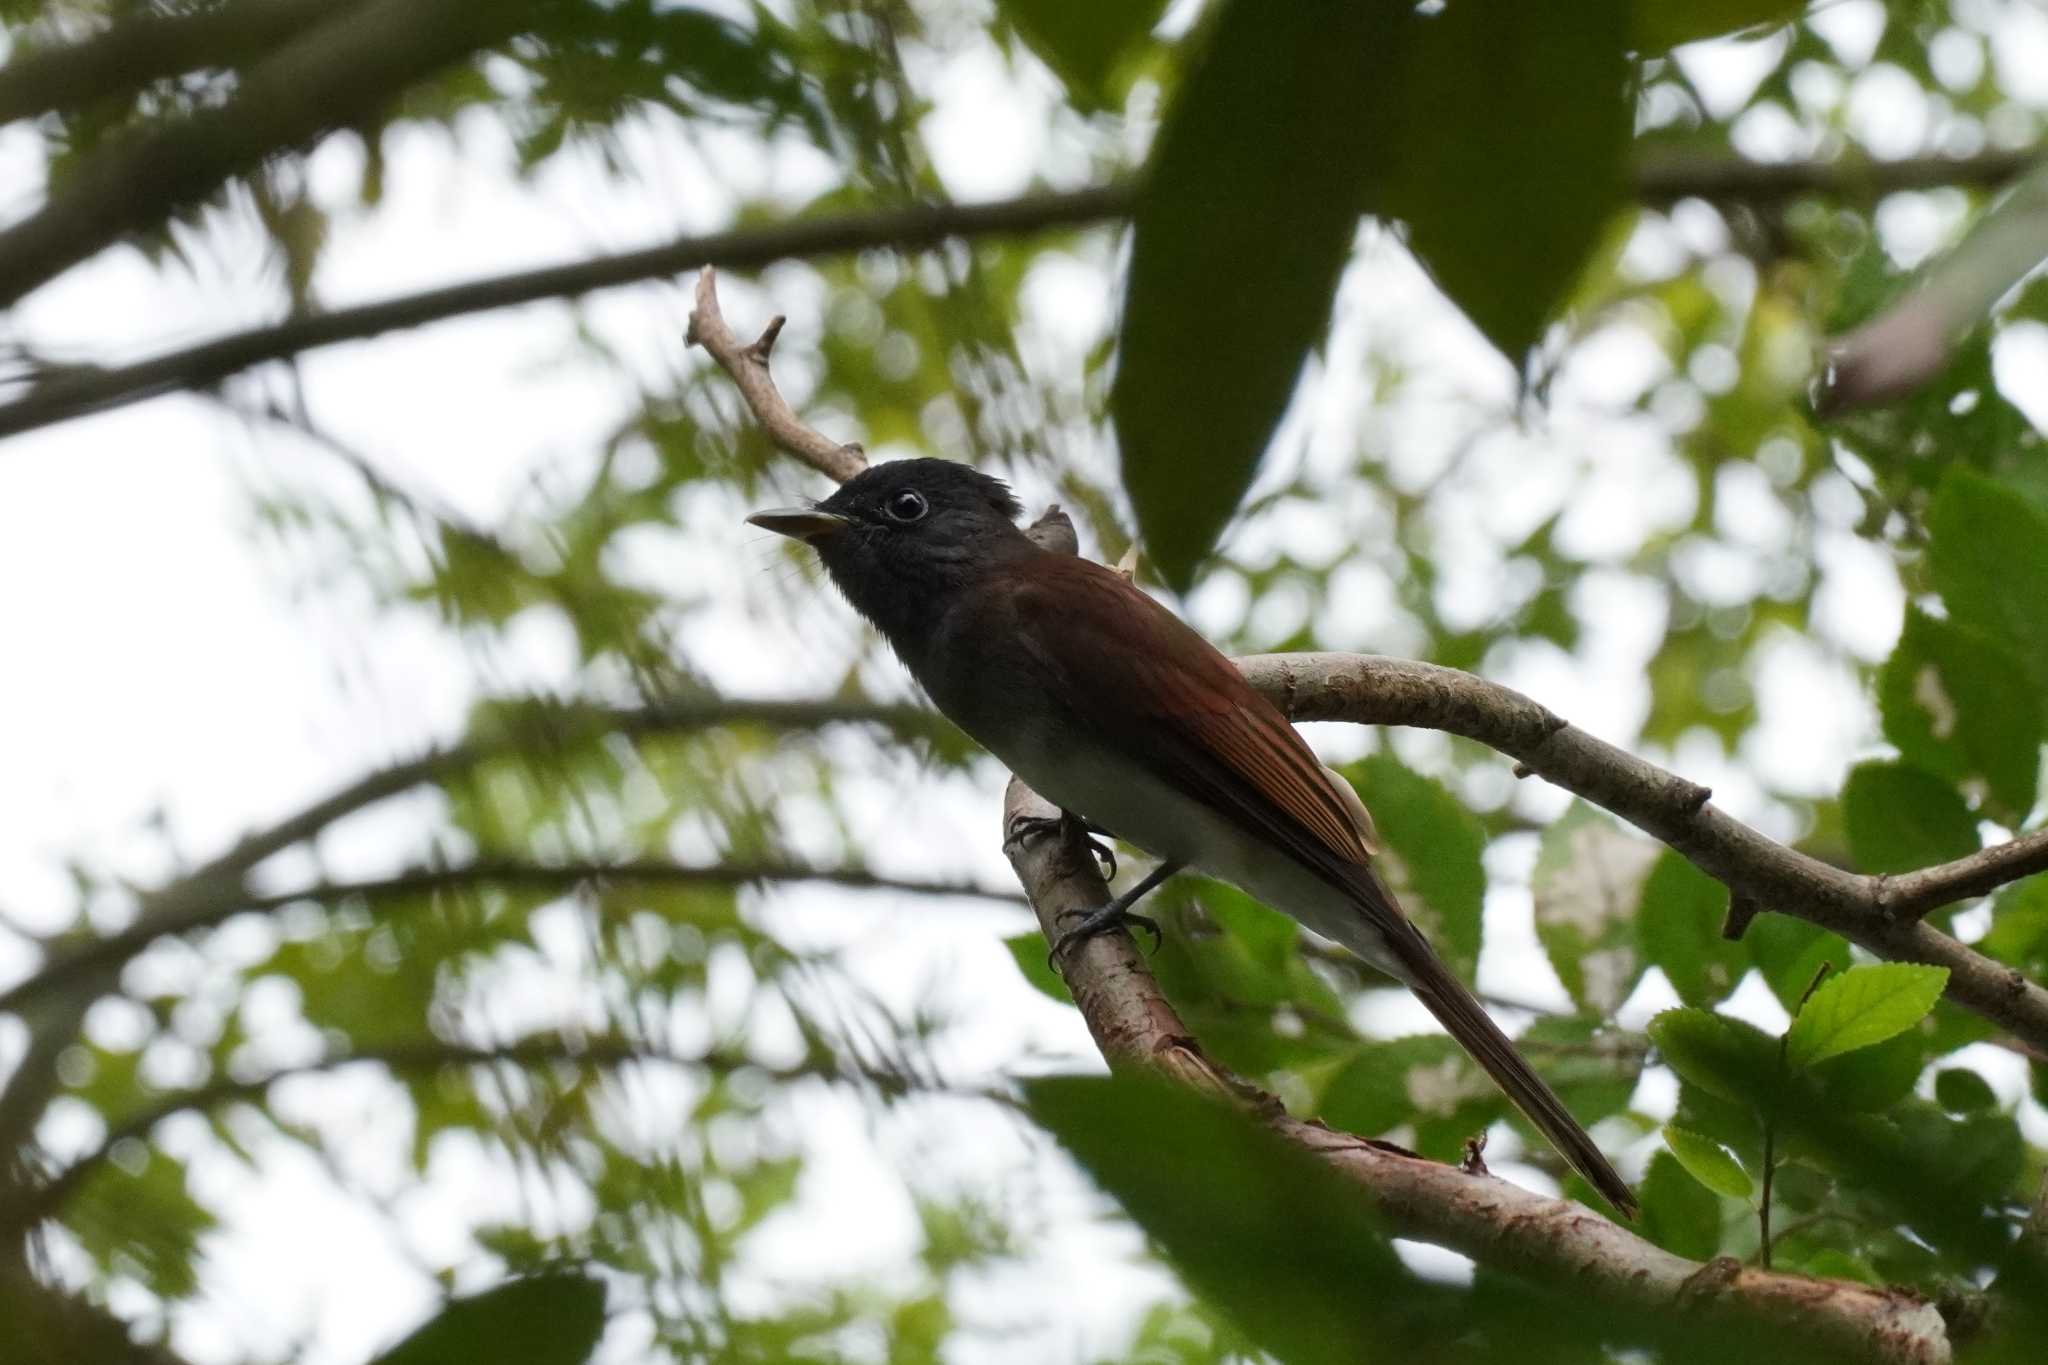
x,y
1122,715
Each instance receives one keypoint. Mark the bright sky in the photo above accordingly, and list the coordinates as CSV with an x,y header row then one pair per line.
x,y
169,662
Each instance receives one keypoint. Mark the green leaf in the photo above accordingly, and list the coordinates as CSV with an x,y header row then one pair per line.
x,y
1862,1006
1275,1238
1661,25
1425,1080
1874,1078
1588,881
1962,1091
1722,1056
1278,123
1708,1162
1901,819
1083,43
1959,705
1789,951
549,1319
1296,119
1593,1068
1678,929
1988,549
1512,128
1032,957
1679,1214
1440,845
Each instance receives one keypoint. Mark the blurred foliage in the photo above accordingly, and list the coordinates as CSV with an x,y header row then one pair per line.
x,y
1589,455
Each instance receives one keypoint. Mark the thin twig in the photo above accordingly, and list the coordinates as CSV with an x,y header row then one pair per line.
x,y
326,76
68,967
77,390
748,366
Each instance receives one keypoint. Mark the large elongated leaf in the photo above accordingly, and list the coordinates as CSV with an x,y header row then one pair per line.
x,y
1493,131
1262,1230
1250,205
1664,24
1083,42
552,1319
1512,127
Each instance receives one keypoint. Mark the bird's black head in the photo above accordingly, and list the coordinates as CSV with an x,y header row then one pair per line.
x,y
900,538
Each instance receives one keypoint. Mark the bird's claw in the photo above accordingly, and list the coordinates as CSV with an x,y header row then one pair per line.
x,y
1101,920
1032,826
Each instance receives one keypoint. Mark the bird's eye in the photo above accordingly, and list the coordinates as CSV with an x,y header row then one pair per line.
x,y
906,506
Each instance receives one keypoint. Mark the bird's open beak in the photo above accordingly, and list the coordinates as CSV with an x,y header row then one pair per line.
x,y
798,523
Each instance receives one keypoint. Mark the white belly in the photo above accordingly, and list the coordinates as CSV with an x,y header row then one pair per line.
x,y
1139,808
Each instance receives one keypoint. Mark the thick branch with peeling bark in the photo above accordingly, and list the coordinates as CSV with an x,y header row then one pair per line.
x,y
1549,1242
1661,178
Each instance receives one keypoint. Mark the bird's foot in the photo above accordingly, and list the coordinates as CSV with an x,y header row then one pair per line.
x,y
1102,920
1032,826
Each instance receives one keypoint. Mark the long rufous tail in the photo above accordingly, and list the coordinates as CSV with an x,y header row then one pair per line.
x,y
1463,1017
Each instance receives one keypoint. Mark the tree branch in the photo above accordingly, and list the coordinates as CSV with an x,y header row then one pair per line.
x,y
1547,1241
146,46
46,1199
1664,176
1877,913
116,949
329,75
198,894
748,366
74,391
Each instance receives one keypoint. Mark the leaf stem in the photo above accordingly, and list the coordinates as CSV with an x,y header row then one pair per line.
x,y
1763,1206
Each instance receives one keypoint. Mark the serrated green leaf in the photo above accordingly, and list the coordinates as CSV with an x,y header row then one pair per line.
x,y
1789,951
1988,549
1708,1162
1901,819
1403,1080
1960,706
1440,846
1678,929
1862,1006
1679,1214
1874,1078
1725,1057
1587,884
